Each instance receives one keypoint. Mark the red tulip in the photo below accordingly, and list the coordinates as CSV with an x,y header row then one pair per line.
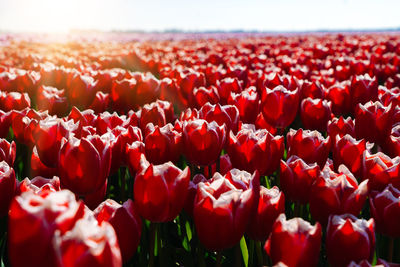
x,y
106,121
84,164
126,223
48,136
7,187
203,141
225,165
340,126
270,205
363,88
247,102
222,208
373,121
40,216
7,151
203,95
38,185
315,113
160,191
311,146
226,87
339,95
311,89
349,151
297,177
349,239
88,244
385,209
192,189
228,115
100,102
14,101
297,236
252,150
380,170
38,168
336,193
279,106
80,90
53,100
162,144
24,124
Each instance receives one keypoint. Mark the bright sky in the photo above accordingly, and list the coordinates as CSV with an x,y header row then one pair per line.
x,y
264,15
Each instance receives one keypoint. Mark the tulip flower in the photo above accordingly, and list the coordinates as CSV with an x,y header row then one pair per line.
x,y
126,222
380,170
40,216
162,144
252,150
385,209
297,236
222,208
84,164
270,205
297,177
336,193
7,187
340,126
203,141
349,239
315,113
373,121
279,106
160,191
311,146
8,151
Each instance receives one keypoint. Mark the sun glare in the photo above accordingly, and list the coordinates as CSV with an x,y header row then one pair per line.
x,y
56,16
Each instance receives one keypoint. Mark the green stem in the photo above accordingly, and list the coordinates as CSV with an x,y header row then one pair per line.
x,y
153,232
296,209
390,249
259,253
123,184
251,253
218,259
238,256
267,182
200,255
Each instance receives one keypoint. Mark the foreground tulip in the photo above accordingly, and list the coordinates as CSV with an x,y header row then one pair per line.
x,y
40,216
374,121
252,150
162,144
363,88
88,244
279,106
203,141
315,114
311,146
385,209
126,223
349,151
8,184
7,151
380,170
270,205
336,193
222,208
228,115
294,242
297,178
247,103
340,126
48,135
349,239
84,164
160,191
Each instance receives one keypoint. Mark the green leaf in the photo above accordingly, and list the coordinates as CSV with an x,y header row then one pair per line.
x,y
188,231
245,252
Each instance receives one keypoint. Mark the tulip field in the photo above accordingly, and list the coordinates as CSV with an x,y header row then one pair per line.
x,y
200,150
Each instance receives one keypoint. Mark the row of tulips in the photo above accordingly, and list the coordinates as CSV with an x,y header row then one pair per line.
x,y
257,151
